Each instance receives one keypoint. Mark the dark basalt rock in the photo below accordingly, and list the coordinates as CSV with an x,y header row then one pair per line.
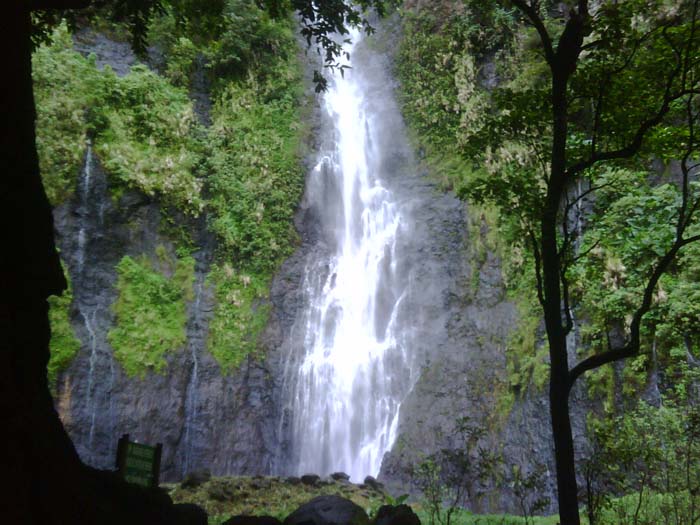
x,y
340,476
310,479
195,479
328,510
396,515
189,514
374,484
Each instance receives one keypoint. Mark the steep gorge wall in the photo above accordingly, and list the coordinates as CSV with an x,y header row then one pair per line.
x,y
229,422
223,428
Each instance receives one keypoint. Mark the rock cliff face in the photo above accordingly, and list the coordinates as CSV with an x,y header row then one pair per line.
x,y
464,373
205,419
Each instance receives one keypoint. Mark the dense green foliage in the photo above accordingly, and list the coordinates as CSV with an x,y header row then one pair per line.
x,y
142,127
149,138
240,315
150,310
488,142
652,455
569,165
632,225
252,156
243,170
65,85
257,178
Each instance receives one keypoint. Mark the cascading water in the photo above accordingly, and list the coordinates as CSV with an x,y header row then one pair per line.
x,y
191,411
346,387
90,400
98,394
84,204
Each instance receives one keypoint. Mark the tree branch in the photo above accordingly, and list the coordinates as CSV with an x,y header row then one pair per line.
x,y
538,265
584,253
585,194
632,347
636,143
531,13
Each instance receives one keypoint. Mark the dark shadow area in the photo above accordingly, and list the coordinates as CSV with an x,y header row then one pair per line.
x,y
45,481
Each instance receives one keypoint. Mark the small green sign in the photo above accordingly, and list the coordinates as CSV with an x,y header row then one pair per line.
x,y
138,463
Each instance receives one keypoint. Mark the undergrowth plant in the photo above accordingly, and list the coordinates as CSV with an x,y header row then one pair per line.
x,y
150,311
64,345
651,459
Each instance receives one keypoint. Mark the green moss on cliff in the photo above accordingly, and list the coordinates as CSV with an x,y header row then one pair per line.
x,y
256,179
240,316
256,184
438,65
64,344
150,138
65,86
150,311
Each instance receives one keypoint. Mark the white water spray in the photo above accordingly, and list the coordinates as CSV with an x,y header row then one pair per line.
x,y
85,197
352,376
193,384
90,401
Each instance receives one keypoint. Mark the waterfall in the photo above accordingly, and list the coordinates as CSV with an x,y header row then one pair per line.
x,y
84,206
98,398
351,371
90,401
192,387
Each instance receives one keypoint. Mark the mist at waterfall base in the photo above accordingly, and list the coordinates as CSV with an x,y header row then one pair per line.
x,y
351,368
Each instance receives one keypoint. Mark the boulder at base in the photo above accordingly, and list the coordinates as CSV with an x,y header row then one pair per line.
x,y
189,514
396,515
195,479
328,510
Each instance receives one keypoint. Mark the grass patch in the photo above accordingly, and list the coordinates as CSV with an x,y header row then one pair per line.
x,y
273,496
240,315
64,344
150,311
465,517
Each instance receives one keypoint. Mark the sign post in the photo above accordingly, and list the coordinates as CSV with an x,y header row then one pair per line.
x,y
138,463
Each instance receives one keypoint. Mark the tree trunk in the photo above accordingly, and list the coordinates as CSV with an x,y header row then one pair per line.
x,y
47,483
38,458
556,335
